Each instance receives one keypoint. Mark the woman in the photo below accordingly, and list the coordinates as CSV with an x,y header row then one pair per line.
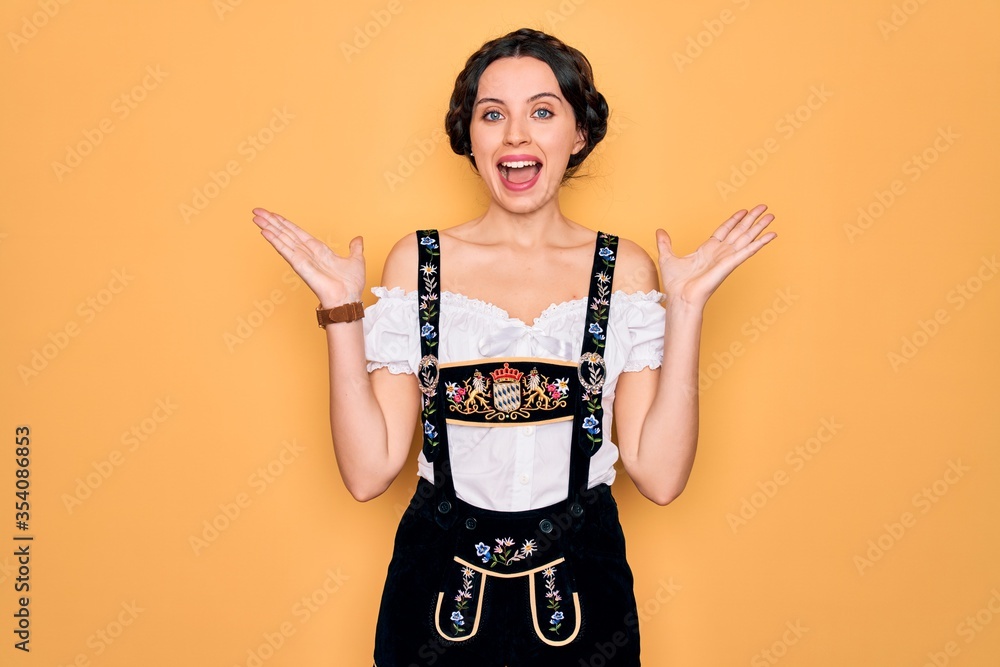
x,y
511,552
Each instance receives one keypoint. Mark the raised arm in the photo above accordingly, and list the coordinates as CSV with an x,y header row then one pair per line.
x,y
373,416
656,411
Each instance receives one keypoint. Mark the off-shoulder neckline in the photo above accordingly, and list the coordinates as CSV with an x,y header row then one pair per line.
x,y
488,308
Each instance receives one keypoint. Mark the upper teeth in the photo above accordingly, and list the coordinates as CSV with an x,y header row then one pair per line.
x,y
518,165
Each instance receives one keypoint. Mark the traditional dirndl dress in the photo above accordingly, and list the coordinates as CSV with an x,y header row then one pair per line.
x,y
474,587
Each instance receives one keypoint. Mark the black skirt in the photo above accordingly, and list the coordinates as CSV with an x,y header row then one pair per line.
x,y
514,589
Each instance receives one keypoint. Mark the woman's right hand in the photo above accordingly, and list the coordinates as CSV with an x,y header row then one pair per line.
x,y
334,279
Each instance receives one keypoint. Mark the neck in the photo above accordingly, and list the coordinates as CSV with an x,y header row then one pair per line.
x,y
531,229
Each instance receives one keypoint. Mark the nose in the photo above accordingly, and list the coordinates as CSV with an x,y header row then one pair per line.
x,y
516,132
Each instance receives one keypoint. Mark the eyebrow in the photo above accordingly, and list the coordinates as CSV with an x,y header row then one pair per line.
x,y
493,100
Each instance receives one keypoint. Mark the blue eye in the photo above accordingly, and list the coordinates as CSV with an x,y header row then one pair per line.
x,y
545,113
492,115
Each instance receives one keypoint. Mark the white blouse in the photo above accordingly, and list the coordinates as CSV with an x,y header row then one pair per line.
x,y
524,467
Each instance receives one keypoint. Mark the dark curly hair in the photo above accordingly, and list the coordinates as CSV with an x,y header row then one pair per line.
x,y
572,71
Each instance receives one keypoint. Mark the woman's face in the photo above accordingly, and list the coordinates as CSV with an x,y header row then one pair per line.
x,y
523,132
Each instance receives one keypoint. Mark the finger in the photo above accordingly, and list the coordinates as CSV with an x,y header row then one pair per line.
x,y
280,224
663,244
276,233
720,233
356,247
744,224
267,220
754,231
751,248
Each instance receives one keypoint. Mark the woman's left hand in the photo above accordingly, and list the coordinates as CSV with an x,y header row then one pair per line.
x,y
693,278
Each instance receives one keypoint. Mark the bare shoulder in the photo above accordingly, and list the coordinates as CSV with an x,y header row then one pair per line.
x,y
400,268
635,270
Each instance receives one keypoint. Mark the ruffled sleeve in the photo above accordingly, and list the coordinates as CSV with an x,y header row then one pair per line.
x,y
646,319
392,331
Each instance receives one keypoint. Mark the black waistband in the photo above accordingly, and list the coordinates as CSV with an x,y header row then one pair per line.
x,y
509,392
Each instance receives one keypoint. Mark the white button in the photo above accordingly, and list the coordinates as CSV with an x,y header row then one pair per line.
x,y
523,479
528,430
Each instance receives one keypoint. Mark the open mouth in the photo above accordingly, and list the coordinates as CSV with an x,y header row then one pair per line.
x,y
520,172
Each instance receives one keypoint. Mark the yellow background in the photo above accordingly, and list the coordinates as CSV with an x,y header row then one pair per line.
x,y
157,100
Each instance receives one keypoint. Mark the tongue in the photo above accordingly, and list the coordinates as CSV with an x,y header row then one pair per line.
x,y
522,174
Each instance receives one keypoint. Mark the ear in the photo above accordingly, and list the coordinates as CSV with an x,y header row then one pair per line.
x,y
581,140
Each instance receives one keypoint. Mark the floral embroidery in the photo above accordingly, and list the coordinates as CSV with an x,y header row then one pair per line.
x,y
504,552
428,308
592,367
462,599
554,598
454,392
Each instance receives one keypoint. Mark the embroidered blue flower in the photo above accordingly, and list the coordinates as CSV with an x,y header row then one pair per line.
x,y
483,550
556,617
427,331
457,617
429,429
605,252
429,242
590,423
596,329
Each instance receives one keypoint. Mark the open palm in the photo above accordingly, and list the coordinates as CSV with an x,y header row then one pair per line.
x,y
333,278
694,277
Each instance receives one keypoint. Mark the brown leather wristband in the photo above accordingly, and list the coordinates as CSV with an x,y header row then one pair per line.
x,y
347,312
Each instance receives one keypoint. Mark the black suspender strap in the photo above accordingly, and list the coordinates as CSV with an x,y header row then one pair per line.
x,y
435,438
588,427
